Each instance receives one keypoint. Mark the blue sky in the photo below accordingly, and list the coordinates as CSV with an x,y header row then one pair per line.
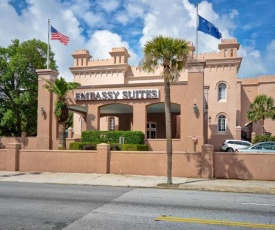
x,y
99,25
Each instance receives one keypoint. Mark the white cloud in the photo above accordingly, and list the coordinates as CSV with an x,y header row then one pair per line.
x,y
271,51
180,21
109,5
75,18
270,57
33,23
81,8
102,42
251,57
122,18
255,54
233,14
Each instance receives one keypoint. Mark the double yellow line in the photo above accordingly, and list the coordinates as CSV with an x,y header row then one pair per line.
x,y
215,222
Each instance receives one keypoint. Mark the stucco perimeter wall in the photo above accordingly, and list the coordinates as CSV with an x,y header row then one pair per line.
x,y
58,161
155,163
3,159
205,164
248,166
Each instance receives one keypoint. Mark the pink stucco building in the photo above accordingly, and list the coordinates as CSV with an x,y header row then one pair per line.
x,y
209,105
209,101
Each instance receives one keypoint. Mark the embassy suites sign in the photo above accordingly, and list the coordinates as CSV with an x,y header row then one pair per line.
x,y
117,95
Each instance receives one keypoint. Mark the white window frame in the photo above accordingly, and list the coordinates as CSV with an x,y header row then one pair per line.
x,y
221,124
222,91
112,123
151,133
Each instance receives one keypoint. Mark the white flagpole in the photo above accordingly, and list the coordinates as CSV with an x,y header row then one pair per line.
x,y
48,50
197,46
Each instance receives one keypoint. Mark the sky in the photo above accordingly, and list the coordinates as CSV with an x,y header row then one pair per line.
x,y
100,25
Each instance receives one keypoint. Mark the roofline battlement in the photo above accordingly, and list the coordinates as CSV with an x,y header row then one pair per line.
x,y
119,49
229,41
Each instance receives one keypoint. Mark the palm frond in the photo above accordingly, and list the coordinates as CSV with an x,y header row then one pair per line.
x,y
170,53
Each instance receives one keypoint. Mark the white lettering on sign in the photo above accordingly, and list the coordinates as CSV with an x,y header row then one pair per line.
x,y
117,95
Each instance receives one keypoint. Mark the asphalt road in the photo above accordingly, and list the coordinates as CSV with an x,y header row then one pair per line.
x,y
49,206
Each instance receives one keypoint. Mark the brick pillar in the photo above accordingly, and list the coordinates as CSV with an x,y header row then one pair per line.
x,y
192,113
253,135
207,161
13,156
46,122
103,159
70,132
23,138
238,133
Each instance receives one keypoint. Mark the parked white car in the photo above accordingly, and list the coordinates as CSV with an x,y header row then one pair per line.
x,y
232,145
261,147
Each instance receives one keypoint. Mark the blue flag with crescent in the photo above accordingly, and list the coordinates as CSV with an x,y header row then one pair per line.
x,y
208,28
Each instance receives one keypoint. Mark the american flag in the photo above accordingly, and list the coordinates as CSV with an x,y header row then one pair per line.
x,y
56,35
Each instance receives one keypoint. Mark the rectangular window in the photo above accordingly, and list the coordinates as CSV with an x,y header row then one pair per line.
x,y
221,123
112,124
222,92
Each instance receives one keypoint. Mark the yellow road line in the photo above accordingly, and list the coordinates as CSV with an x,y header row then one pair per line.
x,y
215,222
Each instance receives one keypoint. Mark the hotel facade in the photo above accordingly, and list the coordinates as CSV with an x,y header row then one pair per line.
x,y
208,102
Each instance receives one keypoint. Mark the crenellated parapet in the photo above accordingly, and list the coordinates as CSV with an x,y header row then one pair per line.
x,y
89,71
119,56
191,49
212,55
258,80
226,57
81,57
228,49
229,41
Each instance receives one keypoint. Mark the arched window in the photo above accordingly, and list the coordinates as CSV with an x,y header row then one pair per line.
x,y
221,123
222,92
151,130
112,123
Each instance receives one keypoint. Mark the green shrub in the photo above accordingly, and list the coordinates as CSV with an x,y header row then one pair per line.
x,y
89,147
83,146
115,147
134,147
263,138
96,136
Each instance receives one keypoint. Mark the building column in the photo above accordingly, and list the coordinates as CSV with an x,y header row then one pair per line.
x,y
46,122
103,158
193,113
238,133
139,118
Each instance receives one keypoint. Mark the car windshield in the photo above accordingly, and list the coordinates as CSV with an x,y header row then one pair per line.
x,y
266,145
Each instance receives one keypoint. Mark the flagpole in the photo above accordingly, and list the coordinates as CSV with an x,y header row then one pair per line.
x,y
48,48
197,47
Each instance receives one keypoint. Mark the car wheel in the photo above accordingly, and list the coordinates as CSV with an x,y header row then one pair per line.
x,y
230,150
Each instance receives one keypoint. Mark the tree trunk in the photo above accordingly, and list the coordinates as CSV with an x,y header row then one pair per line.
x,y
18,123
61,135
262,126
168,129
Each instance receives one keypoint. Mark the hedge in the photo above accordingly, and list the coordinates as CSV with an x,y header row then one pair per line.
x,y
130,137
113,146
263,138
129,147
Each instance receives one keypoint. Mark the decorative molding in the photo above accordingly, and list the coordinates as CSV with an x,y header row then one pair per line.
x,y
195,67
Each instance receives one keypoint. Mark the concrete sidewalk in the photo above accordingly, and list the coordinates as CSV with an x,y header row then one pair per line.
x,y
247,186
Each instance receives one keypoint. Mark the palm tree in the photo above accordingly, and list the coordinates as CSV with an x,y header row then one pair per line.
x,y
171,54
61,88
261,109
